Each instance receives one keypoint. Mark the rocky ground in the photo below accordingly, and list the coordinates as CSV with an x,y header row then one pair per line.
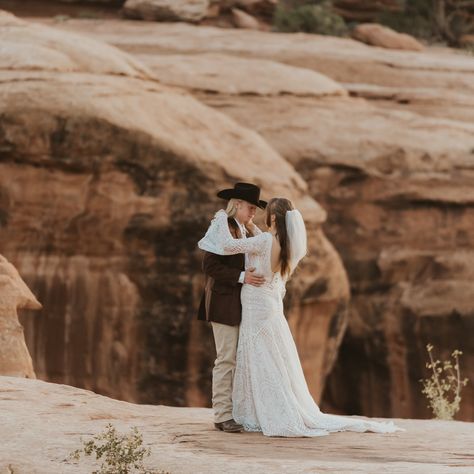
x,y
43,422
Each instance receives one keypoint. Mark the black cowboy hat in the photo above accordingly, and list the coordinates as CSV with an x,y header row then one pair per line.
x,y
245,191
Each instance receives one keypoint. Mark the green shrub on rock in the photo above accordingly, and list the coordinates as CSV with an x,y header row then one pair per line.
x,y
121,454
312,17
445,20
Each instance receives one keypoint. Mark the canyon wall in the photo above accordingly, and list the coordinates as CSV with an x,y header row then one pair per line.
x,y
384,140
107,182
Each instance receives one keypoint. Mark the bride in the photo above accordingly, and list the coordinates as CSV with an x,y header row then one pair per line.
x,y
270,393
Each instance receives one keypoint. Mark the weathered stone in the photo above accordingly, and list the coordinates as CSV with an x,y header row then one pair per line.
x,y
225,74
15,359
392,165
344,60
43,422
384,37
244,20
166,10
101,205
29,47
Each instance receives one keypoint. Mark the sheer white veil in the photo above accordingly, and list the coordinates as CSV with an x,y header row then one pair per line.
x,y
297,238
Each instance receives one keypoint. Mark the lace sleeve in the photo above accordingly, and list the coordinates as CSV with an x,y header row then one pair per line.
x,y
219,240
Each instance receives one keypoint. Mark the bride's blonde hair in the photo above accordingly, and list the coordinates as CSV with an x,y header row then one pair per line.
x,y
232,207
232,212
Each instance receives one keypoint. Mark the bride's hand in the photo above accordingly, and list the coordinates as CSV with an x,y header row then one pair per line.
x,y
252,224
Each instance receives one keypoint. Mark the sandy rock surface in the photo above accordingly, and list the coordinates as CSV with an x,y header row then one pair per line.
x,y
43,422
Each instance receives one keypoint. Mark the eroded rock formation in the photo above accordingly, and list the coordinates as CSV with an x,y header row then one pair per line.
x,y
393,166
378,35
107,181
15,360
166,10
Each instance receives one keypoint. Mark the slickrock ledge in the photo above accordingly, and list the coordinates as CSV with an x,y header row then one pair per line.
x,y
43,422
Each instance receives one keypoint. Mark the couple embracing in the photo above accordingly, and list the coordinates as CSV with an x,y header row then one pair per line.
x,y
257,380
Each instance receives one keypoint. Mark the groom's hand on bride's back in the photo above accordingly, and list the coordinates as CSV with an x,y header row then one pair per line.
x,y
252,278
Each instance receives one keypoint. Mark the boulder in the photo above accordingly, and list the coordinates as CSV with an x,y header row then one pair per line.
x,y
166,10
15,360
244,20
384,37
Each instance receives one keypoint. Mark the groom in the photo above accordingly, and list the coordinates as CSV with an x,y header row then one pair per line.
x,y
220,303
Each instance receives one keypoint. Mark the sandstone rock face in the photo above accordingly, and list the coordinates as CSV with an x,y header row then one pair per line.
x,y
224,74
393,166
102,203
15,359
43,422
30,47
166,10
378,35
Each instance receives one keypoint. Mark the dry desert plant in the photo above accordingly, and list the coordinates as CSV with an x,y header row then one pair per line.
x,y
443,388
121,454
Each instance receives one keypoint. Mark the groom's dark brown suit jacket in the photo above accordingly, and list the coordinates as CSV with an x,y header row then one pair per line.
x,y
220,300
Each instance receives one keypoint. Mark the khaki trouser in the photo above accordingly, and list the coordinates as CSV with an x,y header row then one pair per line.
x,y
225,338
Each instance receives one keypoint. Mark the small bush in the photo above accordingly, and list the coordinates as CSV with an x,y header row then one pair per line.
x,y
412,24
443,388
445,20
122,454
468,49
309,18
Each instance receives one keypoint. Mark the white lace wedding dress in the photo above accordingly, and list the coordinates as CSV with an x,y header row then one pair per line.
x,y
270,393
